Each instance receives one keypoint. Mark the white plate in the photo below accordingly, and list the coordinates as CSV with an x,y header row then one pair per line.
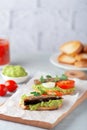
x,y
17,80
54,61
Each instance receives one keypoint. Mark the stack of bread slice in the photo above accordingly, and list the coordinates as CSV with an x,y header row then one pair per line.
x,y
73,53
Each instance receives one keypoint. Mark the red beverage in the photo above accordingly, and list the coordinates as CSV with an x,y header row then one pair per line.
x,y
4,52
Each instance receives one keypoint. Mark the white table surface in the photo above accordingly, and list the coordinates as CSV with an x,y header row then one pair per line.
x,y
34,62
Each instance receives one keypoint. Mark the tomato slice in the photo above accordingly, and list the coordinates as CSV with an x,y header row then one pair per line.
x,y
65,84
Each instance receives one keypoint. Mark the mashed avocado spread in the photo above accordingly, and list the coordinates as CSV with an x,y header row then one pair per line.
x,y
43,89
50,103
14,71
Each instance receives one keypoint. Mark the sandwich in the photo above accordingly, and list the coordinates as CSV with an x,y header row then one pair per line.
x,y
57,86
40,102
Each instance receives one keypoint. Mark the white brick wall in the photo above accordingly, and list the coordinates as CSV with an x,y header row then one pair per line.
x,y
43,24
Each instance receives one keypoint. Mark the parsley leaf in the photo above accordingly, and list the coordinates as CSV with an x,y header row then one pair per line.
x,y
42,80
63,77
36,93
48,76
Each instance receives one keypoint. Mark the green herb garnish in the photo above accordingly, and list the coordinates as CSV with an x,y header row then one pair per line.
x,y
42,80
36,93
63,77
48,76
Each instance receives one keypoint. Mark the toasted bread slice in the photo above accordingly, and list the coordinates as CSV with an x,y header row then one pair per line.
x,y
71,47
42,108
81,63
63,58
50,108
81,56
85,48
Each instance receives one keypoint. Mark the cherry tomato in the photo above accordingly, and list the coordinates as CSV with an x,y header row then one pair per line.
x,y
66,84
11,85
3,90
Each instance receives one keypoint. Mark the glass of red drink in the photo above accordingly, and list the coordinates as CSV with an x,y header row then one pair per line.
x,y
4,52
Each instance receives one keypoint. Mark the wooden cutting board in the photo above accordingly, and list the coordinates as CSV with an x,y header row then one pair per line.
x,y
44,124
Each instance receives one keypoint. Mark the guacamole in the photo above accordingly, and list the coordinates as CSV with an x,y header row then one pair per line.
x,y
50,103
14,71
43,89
